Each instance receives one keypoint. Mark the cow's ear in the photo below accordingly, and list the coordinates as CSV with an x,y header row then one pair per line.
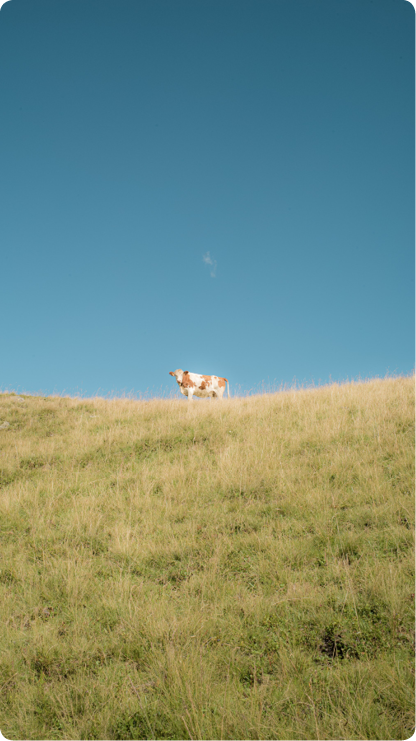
x,y
185,372
171,373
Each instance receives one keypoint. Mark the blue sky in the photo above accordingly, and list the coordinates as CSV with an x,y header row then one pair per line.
x,y
223,186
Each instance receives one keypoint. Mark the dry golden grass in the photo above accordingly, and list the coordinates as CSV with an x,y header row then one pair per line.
x,y
241,569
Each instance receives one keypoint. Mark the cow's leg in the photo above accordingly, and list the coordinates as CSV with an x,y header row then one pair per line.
x,y
190,394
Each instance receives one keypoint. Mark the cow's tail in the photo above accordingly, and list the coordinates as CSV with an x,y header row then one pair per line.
x,y
228,389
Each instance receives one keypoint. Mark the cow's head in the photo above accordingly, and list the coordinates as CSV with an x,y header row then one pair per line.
x,y
177,374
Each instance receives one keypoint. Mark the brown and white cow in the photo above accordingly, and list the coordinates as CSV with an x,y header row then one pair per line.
x,y
192,384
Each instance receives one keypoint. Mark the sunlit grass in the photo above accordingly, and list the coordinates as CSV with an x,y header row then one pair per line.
x,y
234,569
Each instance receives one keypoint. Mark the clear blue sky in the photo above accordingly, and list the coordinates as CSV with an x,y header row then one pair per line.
x,y
273,138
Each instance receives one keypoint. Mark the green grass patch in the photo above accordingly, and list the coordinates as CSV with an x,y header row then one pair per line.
x,y
242,569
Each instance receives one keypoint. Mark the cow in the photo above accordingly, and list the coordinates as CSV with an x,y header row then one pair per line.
x,y
192,384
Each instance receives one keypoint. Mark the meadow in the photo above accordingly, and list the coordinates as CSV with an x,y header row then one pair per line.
x,y
240,569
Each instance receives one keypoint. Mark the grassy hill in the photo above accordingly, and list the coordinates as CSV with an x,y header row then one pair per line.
x,y
236,569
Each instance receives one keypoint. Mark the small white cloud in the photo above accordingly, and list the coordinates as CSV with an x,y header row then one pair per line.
x,y
212,263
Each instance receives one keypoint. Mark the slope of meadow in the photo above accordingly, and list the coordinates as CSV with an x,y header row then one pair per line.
x,y
236,569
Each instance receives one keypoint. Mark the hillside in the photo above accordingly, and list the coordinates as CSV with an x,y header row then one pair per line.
x,y
235,569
